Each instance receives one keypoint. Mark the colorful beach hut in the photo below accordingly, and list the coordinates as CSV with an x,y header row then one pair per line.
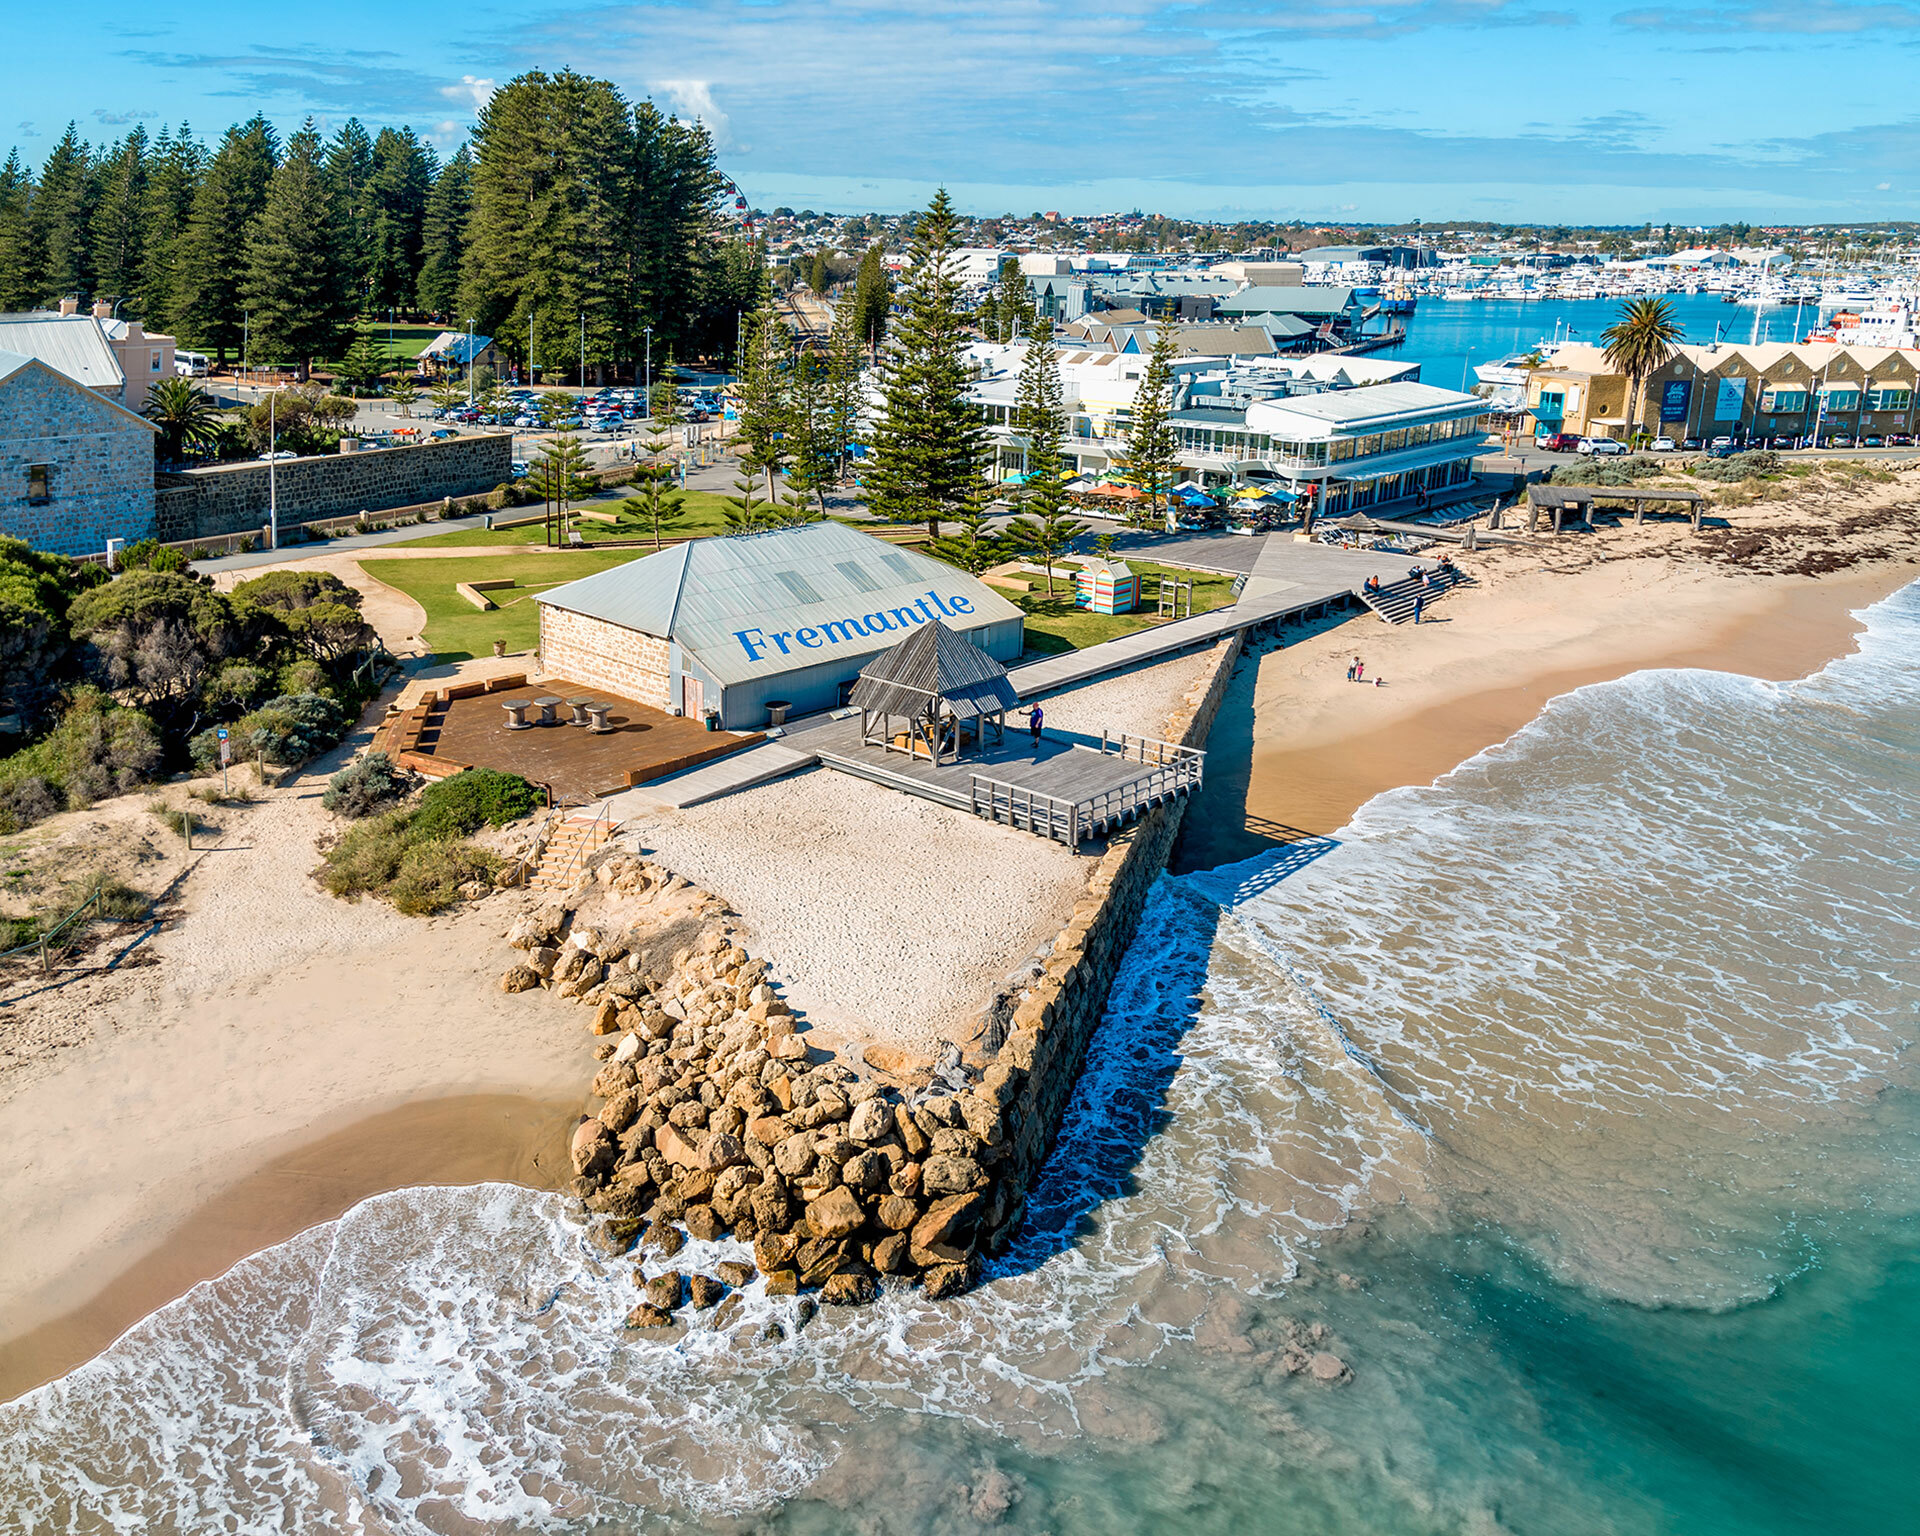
x,y
1105,586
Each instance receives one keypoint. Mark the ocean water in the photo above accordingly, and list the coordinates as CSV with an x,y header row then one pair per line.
x,y
1567,1103
1448,340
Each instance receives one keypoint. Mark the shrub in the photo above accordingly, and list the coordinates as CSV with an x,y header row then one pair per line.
x,y
364,787
98,749
286,731
1737,467
472,799
288,590
303,676
367,857
432,871
236,687
151,555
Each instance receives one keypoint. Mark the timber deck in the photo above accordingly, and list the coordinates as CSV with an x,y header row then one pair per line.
x,y
1069,789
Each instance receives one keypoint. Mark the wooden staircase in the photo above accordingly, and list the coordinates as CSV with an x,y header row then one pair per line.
x,y
574,840
1394,602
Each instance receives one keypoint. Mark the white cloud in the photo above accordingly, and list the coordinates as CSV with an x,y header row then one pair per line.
x,y
477,89
694,98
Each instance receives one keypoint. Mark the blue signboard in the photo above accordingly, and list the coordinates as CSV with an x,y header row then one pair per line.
x,y
1675,396
1728,399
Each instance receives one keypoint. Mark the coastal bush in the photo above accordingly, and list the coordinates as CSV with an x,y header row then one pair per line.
x,y
98,749
37,590
478,797
151,555
431,873
367,857
237,686
364,787
287,591
292,728
1616,471
1735,468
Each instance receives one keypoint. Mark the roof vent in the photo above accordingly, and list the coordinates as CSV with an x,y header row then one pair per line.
x,y
856,573
798,585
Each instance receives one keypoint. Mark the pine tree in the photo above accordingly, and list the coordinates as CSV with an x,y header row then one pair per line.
x,y
119,218
929,440
872,300
817,273
57,221
347,172
297,287
663,400
678,277
549,232
1149,458
763,386
403,392
975,548
1044,531
443,236
365,362
1039,410
812,455
560,473
212,259
843,395
397,191
174,171
744,511
658,506
1007,311
19,272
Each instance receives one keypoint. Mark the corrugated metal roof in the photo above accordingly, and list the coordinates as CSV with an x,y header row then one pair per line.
x,y
740,606
74,344
934,661
1287,301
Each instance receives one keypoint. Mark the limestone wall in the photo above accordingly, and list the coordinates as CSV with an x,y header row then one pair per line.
x,y
1038,1066
99,463
604,655
232,498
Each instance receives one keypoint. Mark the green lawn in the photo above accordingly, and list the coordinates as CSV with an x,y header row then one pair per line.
x,y
702,513
455,628
1054,624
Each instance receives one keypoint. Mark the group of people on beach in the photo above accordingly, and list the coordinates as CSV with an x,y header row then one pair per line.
x,y
1357,673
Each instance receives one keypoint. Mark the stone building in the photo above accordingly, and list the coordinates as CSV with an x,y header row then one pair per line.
x,y
118,358
731,625
76,468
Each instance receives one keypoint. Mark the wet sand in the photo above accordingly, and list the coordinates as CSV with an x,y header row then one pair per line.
x,y
1276,771
471,1139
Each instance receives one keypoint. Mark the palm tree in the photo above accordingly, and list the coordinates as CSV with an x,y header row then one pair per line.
x,y
184,415
1639,344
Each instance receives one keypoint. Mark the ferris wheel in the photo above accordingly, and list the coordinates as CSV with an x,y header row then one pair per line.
x,y
733,206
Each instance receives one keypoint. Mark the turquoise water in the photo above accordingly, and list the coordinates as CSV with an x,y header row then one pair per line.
x,y
1567,1104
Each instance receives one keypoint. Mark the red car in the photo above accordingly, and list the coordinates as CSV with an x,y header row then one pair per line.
x,y
1557,442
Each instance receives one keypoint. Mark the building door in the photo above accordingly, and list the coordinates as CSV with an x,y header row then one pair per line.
x,y
693,696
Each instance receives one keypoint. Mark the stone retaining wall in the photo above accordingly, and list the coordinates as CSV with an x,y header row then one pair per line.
x,y
232,498
1038,1066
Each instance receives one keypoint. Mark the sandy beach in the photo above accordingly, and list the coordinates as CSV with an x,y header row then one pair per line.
x,y
159,1122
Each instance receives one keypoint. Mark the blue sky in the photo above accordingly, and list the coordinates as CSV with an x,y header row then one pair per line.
x,y
1494,109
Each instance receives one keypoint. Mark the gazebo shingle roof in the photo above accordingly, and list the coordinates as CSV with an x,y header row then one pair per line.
x,y
931,661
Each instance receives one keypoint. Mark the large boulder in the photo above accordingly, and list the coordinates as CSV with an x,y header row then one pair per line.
x,y
674,1148
944,1175
720,1151
897,1213
871,1122
519,978
615,1077
941,1236
836,1214
593,1149
664,1290
848,1288
867,1172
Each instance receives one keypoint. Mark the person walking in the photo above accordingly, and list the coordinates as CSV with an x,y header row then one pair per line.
x,y
1419,607
1350,666
1359,670
1034,719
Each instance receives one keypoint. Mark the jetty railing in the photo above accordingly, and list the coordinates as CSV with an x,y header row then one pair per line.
x,y
1188,762
1033,809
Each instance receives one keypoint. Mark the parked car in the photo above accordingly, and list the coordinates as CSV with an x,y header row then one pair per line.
x,y
1783,442
1900,440
1661,445
518,469
1720,442
1692,445
1601,447
1547,442
279,453
1839,440
1873,442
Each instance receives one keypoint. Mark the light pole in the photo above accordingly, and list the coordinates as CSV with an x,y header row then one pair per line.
x,y
469,362
583,351
273,469
649,389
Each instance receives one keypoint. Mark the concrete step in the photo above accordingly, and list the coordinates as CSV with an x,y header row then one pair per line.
x,y
709,781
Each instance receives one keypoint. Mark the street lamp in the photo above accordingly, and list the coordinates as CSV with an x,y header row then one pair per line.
x,y
649,390
273,469
469,362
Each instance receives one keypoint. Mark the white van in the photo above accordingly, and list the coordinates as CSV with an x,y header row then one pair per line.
x,y
190,365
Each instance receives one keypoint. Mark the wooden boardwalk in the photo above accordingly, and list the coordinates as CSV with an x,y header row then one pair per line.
x,y
1065,789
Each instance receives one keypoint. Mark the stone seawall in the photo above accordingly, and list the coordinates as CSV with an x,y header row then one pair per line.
x,y
232,498
1038,1066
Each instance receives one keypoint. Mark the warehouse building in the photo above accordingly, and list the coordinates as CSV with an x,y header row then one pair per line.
x,y
733,625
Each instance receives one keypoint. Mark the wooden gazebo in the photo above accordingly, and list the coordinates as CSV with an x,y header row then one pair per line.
x,y
930,693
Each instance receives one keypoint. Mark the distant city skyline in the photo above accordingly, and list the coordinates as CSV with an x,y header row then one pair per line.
x,y
1504,110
